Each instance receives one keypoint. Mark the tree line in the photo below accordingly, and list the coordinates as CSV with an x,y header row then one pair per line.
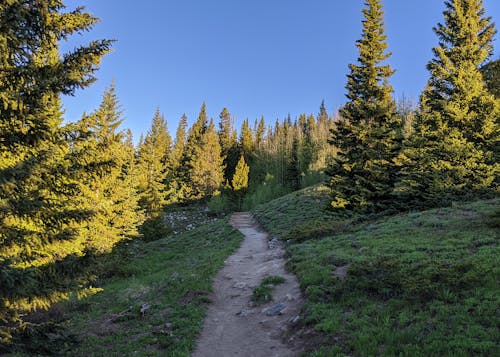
x,y
70,192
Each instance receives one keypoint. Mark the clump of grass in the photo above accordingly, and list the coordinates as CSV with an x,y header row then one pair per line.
x,y
317,228
264,292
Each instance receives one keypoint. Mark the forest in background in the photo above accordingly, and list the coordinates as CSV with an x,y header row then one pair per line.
x,y
70,192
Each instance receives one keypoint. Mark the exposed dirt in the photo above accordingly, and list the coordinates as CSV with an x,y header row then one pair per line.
x,y
234,326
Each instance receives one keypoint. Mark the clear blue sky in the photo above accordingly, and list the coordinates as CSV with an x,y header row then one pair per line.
x,y
259,57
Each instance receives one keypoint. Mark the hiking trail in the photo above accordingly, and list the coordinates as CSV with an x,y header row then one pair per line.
x,y
234,325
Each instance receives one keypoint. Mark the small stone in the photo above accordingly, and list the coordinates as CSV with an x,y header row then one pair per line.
x,y
275,310
169,326
294,320
144,309
240,285
289,297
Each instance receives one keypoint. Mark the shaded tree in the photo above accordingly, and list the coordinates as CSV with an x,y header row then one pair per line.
x,y
364,171
453,153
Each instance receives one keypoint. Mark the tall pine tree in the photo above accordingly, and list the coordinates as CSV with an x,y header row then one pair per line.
x,y
454,150
229,143
364,170
105,161
152,164
207,168
42,209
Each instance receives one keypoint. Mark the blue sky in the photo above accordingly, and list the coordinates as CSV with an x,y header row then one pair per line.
x,y
259,57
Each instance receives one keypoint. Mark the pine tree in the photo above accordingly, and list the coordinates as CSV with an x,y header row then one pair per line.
x,y
229,143
246,141
152,163
491,75
240,178
293,172
453,153
106,174
42,209
174,179
364,170
193,146
207,168
239,182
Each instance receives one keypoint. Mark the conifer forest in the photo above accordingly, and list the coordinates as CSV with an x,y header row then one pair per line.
x,y
76,196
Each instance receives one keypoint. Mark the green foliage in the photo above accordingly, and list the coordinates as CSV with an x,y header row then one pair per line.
x,y
207,170
229,144
43,211
422,283
153,154
368,136
107,176
240,178
453,153
491,76
264,292
155,228
221,203
316,229
264,192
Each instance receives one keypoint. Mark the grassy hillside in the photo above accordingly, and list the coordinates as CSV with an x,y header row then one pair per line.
x,y
423,283
168,279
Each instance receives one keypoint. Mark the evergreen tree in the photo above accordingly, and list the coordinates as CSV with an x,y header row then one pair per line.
x,y
174,180
293,171
453,153
246,140
229,143
259,133
491,75
106,174
152,164
42,209
239,183
364,170
207,168
194,143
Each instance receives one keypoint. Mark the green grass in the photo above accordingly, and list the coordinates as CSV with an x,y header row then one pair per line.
x,y
264,292
172,275
417,284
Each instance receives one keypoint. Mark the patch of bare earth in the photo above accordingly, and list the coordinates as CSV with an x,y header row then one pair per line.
x,y
234,326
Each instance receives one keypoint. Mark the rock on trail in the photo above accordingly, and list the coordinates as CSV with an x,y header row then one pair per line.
x,y
233,325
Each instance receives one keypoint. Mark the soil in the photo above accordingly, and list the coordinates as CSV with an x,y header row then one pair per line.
x,y
234,325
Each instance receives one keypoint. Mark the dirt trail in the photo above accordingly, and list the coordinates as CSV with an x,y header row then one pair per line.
x,y
233,326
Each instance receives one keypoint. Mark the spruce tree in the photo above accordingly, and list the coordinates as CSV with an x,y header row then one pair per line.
x,y
246,141
193,145
293,174
207,167
239,182
174,179
229,143
152,164
453,153
364,170
105,161
491,75
42,209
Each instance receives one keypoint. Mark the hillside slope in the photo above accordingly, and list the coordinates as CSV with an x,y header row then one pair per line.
x,y
423,283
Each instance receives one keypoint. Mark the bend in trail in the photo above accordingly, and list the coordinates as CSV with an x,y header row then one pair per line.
x,y
233,325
